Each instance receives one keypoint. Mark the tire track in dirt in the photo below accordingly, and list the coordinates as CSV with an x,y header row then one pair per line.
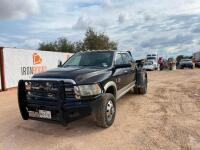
x,y
166,118
173,101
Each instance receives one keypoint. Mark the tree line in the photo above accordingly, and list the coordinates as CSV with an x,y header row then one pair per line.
x,y
91,41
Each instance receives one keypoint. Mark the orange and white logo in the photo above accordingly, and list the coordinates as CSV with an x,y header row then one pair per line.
x,y
36,59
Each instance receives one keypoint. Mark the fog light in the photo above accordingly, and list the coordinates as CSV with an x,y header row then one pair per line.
x,y
28,86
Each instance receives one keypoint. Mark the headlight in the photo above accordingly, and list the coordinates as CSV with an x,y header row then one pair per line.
x,y
87,90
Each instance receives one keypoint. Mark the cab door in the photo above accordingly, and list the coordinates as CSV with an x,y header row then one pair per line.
x,y
119,75
129,71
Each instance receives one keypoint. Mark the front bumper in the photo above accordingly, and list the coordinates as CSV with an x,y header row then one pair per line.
x,y
186,65
149,67
62,109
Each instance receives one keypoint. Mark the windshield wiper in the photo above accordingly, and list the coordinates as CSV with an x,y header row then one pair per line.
x,y
69,65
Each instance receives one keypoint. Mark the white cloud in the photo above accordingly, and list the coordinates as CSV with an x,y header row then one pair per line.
x,y
107,4
18,9
81,24
123,18
171,49
19,41
30,43
138,24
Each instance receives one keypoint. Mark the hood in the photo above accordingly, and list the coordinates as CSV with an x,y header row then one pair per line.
x,y
81,75
186,62
148,66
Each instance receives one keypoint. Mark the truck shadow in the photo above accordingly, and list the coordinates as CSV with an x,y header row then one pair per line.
x,y
84,126
80,127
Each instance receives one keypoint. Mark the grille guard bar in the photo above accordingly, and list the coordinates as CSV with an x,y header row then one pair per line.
x,y
22,98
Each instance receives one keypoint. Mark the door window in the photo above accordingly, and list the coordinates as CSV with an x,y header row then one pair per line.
x,y
126,58
119,60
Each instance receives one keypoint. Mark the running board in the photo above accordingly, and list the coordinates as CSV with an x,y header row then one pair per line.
x,y
125,90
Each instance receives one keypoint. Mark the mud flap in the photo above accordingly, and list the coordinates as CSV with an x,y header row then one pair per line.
x,y
22,100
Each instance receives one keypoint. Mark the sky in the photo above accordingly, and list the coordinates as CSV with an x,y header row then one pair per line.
x,y
168,27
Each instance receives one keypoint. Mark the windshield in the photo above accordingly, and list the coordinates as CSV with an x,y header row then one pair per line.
x,y
148,63
151,58
186,60
91,59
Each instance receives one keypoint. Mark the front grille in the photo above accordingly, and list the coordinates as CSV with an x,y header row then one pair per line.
x,y
43,90
49,90
38,94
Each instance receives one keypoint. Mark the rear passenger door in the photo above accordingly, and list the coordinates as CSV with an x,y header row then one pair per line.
x,y
128,71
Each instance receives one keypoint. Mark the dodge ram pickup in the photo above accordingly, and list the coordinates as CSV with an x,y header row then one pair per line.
x,y
88,83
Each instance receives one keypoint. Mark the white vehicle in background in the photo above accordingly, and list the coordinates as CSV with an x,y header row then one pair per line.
x,y
153,58
149,66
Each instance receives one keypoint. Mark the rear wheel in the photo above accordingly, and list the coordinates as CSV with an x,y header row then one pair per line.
x,y
143,90
136,90
105,113
141,83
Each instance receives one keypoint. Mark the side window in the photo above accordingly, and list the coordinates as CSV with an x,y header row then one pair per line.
x,y
119,59
126,58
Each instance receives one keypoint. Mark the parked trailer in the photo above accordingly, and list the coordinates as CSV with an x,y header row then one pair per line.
x,y
196,57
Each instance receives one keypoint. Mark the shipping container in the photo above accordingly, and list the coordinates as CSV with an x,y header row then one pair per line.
x,y
196,56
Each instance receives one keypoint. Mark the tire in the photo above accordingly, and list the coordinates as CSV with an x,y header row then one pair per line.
x,y
106,108
141,83
136,90
143,90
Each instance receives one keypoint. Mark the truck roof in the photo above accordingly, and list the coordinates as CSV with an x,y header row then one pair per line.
x,y
103,51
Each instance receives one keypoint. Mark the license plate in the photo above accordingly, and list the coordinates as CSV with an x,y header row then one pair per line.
x,y
44,114
34,114
41,114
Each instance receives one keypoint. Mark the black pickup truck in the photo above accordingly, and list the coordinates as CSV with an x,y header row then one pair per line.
x,y
89,82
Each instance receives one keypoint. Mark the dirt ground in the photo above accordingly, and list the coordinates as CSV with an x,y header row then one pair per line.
x,y
168,118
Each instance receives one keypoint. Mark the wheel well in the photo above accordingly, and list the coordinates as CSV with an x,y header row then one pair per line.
x,y
111,90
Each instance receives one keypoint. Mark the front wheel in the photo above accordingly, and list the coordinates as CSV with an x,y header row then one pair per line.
x,y
105,113
21,100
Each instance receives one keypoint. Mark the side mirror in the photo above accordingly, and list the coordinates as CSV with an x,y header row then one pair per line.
x,y
122,65
59,63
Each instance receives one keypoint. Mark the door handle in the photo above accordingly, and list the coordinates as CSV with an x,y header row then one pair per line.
x,y
125,71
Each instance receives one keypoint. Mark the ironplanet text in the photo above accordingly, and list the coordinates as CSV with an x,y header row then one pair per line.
x,y
33,70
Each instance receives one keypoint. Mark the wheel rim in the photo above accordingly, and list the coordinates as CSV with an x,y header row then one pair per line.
x,y
110,110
